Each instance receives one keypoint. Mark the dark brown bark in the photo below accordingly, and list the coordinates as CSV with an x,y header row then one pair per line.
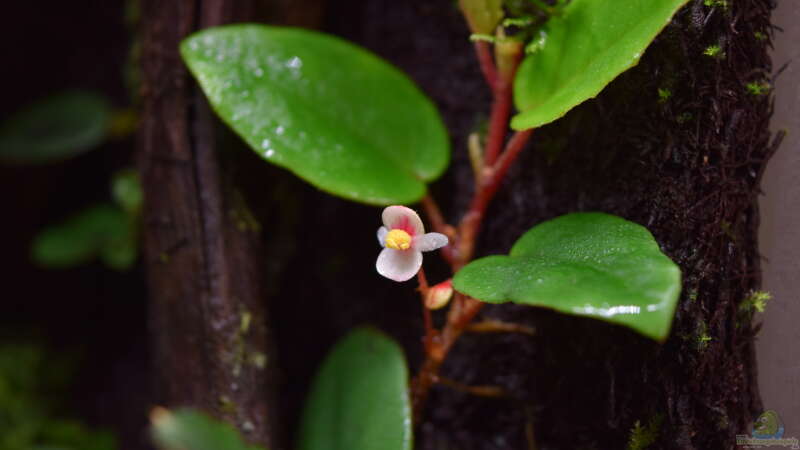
x,y
202,252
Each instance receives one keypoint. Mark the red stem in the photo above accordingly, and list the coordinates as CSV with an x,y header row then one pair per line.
x,y
470,224
430,332
440,226
486,60
463,309
514,147
498,125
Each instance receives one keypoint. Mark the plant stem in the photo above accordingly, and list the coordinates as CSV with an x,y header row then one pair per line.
x,y
439,225
484,53
470,224
495,167
463,309
498,124
497,326
430,332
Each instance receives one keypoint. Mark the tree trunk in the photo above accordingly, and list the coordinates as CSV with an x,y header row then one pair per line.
x,y
202,249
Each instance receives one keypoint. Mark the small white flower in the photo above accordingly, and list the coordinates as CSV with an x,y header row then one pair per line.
x,y
404,239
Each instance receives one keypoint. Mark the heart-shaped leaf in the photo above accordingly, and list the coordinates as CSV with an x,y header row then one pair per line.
x,y
55,128
187,429
334,114
588,264
359,400
581,51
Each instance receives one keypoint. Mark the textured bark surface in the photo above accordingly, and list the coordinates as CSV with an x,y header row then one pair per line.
x,y
687,167
203,253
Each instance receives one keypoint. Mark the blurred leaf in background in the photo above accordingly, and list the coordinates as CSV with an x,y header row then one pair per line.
x,y
359,398
56,128
108,232
32,387
127,191
187,429
102,231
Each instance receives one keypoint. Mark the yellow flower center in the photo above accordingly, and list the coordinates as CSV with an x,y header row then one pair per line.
x,y
398,240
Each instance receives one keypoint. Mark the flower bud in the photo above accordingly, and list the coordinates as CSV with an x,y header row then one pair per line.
x,y
482,15
439,295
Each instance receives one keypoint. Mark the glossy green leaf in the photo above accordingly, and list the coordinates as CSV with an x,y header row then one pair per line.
x,y
55,128
588,264
102,231
582,51
331,112
191,430
359,400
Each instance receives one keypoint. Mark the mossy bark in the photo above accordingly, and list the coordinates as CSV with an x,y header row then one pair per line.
x,y
203,255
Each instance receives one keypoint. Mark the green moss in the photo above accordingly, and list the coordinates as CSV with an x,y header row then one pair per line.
x,y
714,51
664,94
703,340
259,360
702,337
758,87
34,387
241,215
244,324
760,36
755,302
642,437
717,4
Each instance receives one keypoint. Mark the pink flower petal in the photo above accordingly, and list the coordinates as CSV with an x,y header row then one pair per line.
x,y
430,241
382,232
399,265
403,218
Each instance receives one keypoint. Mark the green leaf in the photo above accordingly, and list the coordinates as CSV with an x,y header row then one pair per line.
x,y
191,430
103,231
127,191
55,128
588,264
359,400
331,112
583,50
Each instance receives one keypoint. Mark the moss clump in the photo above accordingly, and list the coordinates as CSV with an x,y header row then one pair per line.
x,y
643,437
714,51
664,94
755,302
716,3
758,87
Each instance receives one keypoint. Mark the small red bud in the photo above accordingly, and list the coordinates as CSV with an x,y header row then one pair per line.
x,y
439,295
